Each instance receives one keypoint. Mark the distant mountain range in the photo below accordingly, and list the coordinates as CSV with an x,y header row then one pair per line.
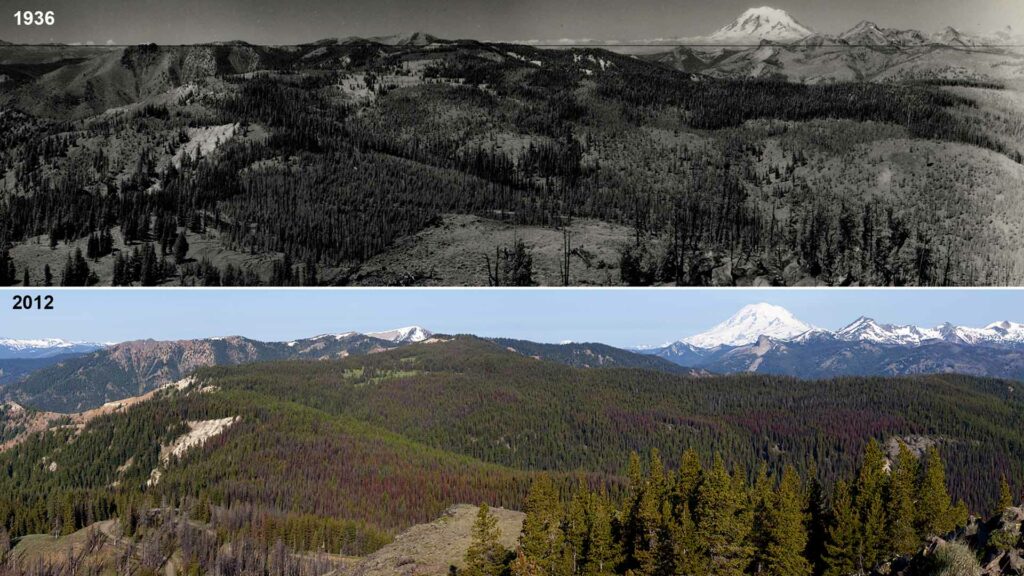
x,y
766,43
754,26
79,382
760,338
42,348
768,24
769,339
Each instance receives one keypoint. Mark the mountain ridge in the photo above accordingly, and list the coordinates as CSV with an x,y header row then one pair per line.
x,y
756,320
135,367
13,348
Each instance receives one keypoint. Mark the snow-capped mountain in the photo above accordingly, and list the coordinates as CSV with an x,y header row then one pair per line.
x,y
764,23
404,335
865,329
870,34
750,323
780,325
765,339
42,348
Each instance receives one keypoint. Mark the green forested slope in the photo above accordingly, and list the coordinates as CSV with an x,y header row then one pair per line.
x,y
472,397
354,450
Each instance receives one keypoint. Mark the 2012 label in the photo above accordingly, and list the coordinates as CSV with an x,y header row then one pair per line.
x,y
29,302
35,18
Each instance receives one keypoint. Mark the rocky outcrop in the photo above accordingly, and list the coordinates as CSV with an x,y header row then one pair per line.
x,y
982,548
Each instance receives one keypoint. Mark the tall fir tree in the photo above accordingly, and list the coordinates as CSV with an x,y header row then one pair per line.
x,y
934,507
870,503
841,548
900,509
485,555
722,523
541,538
1005,499
786,529
603,554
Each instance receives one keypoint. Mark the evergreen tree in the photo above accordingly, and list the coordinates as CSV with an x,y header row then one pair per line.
x,y
688,544
633,528
900,510
934,507
576,528
687,479
1005,495
180,248
841,549
149,269
722,524
68,520
870,503
310,274
665,556
47,276
541,538
485,556
603,551
817,513
8,274
785,530
761,502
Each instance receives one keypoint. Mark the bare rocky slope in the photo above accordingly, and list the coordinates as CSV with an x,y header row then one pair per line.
x,y
430,549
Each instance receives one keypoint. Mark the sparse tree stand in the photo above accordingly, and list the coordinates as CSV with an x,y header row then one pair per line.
x,y
511,267
485,556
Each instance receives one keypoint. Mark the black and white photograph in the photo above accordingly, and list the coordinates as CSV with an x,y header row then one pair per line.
x,y
523,143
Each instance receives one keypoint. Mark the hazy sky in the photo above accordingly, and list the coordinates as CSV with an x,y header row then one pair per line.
x,y
619,317
296,21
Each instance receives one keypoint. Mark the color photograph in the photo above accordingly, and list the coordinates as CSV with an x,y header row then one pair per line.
x,y
490,432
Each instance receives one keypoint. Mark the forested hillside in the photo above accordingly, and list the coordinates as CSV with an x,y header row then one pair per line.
x,y
76,383
472,397
240,165
136,367
339,456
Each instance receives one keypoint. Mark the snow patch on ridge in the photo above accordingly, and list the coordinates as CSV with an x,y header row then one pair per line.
x,y
403,335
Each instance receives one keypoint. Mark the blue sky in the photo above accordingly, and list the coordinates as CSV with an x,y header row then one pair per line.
x,y
618,317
